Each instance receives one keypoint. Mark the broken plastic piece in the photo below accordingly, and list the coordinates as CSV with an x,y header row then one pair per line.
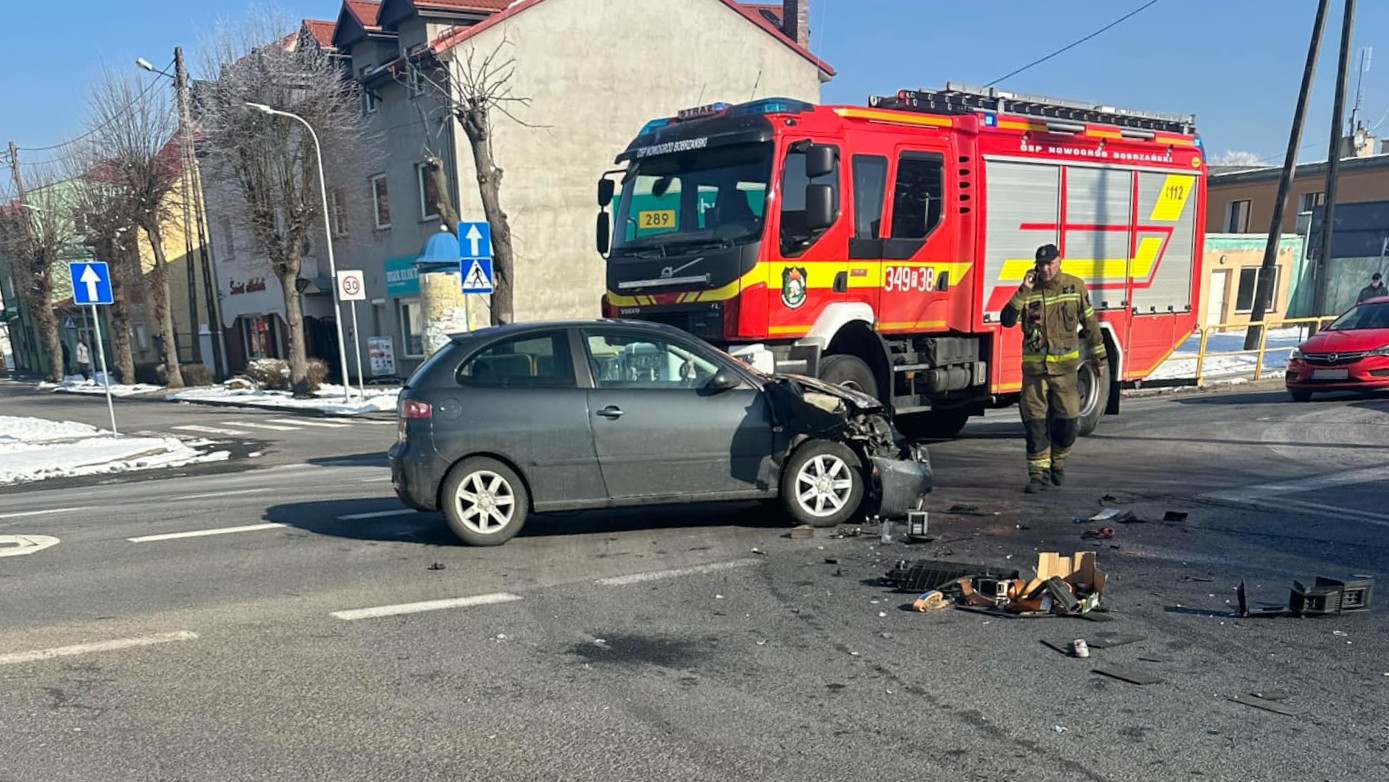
x,y
1112,514
1266,704
1102,533
926,574
931,601
1130,675
1175,515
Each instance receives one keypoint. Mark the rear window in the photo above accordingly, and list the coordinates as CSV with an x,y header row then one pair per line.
x,y
528,361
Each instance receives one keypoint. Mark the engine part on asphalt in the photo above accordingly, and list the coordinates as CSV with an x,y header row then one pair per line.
x,y
1331,596
918,523
926,574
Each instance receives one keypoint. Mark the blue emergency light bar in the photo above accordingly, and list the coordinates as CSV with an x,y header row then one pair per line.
x,y
763,106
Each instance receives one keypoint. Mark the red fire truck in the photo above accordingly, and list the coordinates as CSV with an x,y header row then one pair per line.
x,y
876,246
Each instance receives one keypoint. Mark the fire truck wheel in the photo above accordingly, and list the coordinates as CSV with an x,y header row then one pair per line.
x,y
849,371
822,484
935,425
1094,393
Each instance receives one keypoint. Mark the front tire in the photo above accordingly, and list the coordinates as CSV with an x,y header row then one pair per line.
x,y
485,502
1093,390
822,484
850,372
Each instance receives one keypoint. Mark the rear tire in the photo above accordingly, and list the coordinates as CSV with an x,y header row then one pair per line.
x,y
822,484
485,502
1300,396
935,425
849,371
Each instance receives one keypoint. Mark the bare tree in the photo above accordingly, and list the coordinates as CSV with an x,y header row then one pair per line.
x,y
133,128
36,234
109,219
473,87
271,159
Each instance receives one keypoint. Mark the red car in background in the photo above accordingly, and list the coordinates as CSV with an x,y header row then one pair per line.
x,y
1352,354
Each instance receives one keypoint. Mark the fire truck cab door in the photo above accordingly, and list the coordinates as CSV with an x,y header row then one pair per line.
x,y
916,241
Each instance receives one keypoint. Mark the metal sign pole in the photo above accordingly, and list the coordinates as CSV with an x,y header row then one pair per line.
x,y
467,314
105,376
357,346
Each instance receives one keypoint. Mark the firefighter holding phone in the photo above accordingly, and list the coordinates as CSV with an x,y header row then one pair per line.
x,y
1054,311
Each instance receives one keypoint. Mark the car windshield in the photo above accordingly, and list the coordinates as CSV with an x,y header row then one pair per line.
x,y
710,195
1363,316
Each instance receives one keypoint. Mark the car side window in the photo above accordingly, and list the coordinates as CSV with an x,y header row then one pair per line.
x,y
529,361
640,362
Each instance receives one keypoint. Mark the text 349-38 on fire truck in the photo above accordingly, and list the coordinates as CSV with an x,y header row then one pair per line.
x,y
876,246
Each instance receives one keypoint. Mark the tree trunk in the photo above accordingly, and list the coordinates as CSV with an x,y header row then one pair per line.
x,y
163,313
119,321
476,125
443,204
45,321
298,357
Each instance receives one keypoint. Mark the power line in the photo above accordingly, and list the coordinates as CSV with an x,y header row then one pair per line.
x,y
1067,48
93,131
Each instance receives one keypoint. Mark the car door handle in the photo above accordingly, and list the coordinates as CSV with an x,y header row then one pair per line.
x,y
611,412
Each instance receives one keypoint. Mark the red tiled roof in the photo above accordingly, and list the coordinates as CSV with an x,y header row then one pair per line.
x,y
465,5
365,11
458,35
321,30
766,9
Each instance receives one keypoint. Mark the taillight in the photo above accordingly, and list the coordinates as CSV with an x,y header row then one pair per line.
x,y
414,408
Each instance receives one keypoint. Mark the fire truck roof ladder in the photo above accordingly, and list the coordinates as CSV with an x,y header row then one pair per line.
x,y
967,99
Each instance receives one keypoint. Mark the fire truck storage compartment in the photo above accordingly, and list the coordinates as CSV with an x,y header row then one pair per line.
x,y
944,364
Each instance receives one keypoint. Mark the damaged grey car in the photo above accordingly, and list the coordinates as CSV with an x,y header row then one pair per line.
x,y
505,422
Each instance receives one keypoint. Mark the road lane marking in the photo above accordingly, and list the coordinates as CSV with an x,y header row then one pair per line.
x,y
323,424
19,545
209,430
220,494
205,532
271,427
428,605
1300,485
99,646
373,422
380,514
1315,508
51,511
374,480
639,578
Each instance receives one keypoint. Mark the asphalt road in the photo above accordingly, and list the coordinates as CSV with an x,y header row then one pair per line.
x,y
658,644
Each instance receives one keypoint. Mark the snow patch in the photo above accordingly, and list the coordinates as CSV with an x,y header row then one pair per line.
x,y
76,384
35,449
328,399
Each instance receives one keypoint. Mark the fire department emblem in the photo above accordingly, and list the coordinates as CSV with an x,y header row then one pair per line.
x,y
793,286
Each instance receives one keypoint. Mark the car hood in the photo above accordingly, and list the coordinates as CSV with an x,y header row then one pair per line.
x,y
1346,341
860,400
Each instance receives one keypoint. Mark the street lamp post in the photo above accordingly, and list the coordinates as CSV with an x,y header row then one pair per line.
x,y
328,234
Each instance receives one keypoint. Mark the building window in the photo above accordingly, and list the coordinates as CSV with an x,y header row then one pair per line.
x,y
1237,217
1248,281
380,198
224,224
429,194
1308,201
411,327
337,212
369,101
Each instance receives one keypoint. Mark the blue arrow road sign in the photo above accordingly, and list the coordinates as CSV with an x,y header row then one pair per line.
x,y
477,275
475,240
91,282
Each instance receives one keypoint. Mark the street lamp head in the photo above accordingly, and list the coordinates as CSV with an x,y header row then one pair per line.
x,y
145,64
260,107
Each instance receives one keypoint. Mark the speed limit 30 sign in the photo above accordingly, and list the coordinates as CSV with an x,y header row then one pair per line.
x,y
352,286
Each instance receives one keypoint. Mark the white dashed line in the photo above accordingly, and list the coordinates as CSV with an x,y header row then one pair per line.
x,y
373,422
210,430
271,427
428,605
380,514
100,646
205,532
213,494
28,513
323,424
639,578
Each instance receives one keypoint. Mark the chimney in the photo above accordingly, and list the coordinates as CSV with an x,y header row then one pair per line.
x,y
795,20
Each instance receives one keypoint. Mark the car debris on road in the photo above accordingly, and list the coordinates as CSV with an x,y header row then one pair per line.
x,y
1063,586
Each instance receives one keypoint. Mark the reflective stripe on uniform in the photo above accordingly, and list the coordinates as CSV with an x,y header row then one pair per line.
x,y
1037,358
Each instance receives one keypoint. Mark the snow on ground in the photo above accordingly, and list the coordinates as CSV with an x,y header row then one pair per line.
x,y
1229,369
328,399
76,384
35,449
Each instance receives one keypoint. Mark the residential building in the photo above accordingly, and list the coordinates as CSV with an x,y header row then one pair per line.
x,y
1232,263
591,73
1241,201
1359,248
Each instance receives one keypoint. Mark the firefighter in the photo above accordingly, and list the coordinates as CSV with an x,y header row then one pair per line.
x,y
1055,312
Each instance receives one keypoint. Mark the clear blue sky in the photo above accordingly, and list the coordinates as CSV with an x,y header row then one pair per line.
x,y
1234,63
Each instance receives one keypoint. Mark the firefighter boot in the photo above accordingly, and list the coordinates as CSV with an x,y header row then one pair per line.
x,y
1063,436
1038,455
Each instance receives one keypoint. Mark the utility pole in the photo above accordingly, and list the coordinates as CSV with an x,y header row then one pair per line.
x,y
34,338
185,150
1263,287
1333,163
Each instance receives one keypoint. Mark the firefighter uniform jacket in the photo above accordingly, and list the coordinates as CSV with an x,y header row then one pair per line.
x,y
1055,316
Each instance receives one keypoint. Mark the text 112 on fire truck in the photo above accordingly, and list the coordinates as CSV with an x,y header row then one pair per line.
x,y
876,246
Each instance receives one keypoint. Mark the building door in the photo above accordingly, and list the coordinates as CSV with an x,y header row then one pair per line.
x,y
1216,296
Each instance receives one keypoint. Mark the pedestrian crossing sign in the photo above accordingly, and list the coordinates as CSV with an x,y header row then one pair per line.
x,y
477,275
69,322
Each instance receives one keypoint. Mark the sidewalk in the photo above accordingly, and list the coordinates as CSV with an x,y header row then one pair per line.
x,y
36,449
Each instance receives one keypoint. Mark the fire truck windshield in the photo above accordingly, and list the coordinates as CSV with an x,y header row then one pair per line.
x,y
713,195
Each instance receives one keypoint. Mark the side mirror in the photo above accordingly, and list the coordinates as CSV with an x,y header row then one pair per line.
x,y
604,233
819,207
723,380
606,188
819,161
